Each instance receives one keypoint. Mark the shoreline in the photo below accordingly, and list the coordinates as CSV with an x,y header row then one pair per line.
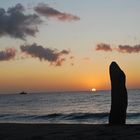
x,y
23,131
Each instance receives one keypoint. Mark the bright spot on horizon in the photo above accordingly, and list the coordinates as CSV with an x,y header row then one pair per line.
x,y
93,89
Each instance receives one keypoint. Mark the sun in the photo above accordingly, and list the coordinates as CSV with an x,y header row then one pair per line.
x,y
93,89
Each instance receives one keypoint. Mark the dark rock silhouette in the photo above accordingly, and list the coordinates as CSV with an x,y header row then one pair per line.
x,y
118,95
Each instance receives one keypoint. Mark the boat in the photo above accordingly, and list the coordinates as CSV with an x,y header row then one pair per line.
x,y
23,92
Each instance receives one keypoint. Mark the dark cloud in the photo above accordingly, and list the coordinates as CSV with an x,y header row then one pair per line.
x,y
16,24
64,52
53,56
120,48
129,49
49,12
103,47
7,54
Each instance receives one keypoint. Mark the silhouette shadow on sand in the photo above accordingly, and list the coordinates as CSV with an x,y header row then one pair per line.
x,y
118,95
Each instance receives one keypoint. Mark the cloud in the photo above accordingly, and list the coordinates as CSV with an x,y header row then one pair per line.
x,y
129,49
103,47
7,54
16,24
55,57
120,48
49,12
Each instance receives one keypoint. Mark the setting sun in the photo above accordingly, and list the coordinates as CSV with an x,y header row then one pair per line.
x,y
93,89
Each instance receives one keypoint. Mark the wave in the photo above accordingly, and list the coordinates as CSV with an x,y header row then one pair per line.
x,y
73,116
61,116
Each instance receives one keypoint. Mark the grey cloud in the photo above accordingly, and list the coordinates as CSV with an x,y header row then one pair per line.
x,y
129,49
7,54
16,24
55,57
103,47
120,48
47,11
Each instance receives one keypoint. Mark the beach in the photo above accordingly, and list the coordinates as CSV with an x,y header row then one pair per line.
x,y
65,116
13,131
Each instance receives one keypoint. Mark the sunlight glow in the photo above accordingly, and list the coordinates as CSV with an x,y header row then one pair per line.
x,y
93,89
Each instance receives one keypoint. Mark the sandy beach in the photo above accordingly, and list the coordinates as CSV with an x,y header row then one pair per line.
x,y
12,131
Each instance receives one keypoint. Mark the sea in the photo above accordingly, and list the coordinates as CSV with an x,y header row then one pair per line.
x,y
65,107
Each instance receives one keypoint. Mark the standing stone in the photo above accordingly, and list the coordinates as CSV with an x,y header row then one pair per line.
x,y
118,95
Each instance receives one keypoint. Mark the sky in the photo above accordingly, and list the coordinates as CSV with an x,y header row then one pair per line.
x,y
67,45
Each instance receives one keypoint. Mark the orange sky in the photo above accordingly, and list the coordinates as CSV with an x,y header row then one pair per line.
x,y
69,39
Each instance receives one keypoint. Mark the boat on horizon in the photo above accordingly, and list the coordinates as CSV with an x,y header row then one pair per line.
x,y
23,92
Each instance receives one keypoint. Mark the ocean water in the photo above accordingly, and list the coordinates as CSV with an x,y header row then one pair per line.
x,y
65,107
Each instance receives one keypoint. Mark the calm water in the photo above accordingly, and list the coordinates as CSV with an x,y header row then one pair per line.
x,y
75,107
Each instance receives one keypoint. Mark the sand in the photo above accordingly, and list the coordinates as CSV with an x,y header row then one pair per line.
x,y
12,131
